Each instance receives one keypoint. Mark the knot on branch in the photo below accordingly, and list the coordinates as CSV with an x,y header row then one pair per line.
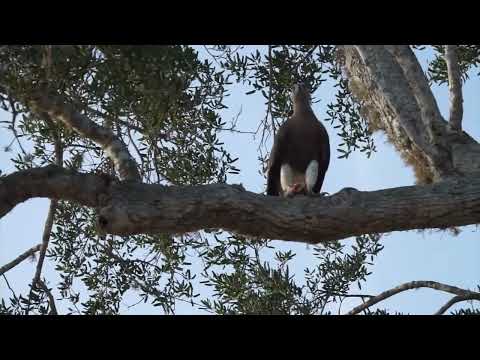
x,y
344,197
52,170
114,219
238,187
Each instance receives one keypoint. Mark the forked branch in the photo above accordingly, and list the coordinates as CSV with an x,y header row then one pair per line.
x,y
58,109
415,285
30,252
457,299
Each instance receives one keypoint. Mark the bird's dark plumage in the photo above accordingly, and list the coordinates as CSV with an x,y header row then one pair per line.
x,y
301,151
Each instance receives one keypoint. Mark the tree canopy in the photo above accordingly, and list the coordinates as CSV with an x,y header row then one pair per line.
x,y
125,142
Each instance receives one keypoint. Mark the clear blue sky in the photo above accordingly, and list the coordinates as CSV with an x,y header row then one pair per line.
x,y
407,255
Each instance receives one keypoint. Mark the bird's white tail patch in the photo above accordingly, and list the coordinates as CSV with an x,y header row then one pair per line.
x,y
289,178
286,177
311,175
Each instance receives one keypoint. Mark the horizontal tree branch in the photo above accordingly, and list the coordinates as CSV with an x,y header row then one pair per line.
x,y
19,259
50,182
137,208
412,285
125,208
454,86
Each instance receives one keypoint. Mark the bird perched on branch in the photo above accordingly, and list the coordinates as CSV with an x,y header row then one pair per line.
x,y
301,151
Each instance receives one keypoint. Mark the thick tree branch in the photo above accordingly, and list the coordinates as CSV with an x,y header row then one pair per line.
x,y
455,87
456,299
50,182
419,84
116,150
138,208
19,259
390,79
433,123
58,109
395,97
132,208
413,285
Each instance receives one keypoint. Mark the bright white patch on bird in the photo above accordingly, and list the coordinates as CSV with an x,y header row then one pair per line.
x,y
291,180
311,175
286,177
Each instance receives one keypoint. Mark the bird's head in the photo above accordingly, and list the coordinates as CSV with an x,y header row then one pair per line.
x,y
300,93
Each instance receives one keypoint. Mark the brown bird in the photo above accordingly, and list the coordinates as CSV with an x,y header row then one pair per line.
x,y
301,151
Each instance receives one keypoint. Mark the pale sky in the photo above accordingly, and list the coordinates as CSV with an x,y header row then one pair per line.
x,y
407,256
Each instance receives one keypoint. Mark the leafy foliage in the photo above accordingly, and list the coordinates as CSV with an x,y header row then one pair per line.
x,y
466,312
243,283
165,103
279,68
468,57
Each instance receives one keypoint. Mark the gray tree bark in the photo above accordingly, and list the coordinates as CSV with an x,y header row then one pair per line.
x,y
395,98
126,208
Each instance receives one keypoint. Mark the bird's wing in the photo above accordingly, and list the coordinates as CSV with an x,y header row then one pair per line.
x,y
274,162
323,158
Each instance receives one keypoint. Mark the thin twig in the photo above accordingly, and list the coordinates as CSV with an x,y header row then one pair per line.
x,y
9,287
135,304
270,74
45,239
454,86
51,300
140,165
13,125
408,286
19,259
214,57
263,123
309,53
53,206
116,120
124,265
340,306
47,230
223,53
344,296
43,250
353,295
455,300
233,127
